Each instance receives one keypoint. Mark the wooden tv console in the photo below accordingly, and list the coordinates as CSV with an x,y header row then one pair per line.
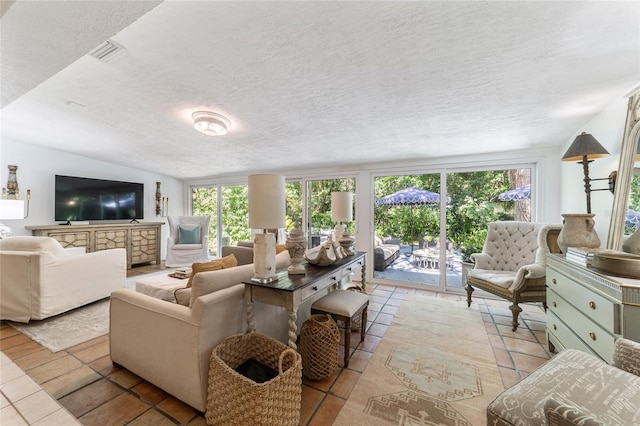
x,y
142,240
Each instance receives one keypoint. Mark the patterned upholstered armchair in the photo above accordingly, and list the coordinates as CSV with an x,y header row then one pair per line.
x,y
513,262
575,388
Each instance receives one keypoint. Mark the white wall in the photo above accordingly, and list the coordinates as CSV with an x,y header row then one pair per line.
x,y
38,166
607,127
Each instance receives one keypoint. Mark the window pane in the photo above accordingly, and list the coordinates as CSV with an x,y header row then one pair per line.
x,y
235,215
319,207
204,202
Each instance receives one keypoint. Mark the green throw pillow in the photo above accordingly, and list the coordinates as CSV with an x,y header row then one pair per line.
x,y
189,235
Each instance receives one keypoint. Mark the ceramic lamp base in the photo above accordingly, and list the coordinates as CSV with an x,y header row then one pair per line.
x,y
264,258
346,242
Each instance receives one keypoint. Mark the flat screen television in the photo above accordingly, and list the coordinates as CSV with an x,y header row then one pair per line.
x,y
82,199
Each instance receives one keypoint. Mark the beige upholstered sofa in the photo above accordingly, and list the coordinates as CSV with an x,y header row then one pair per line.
x,y
575,388
169,344
40,279
244,254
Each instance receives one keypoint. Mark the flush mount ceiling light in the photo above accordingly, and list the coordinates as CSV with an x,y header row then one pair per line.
x,y
210,123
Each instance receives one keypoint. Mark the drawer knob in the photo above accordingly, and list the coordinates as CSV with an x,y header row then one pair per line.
x,y
333,278
592,305
555,327
554,305
315,288
593,336
553,281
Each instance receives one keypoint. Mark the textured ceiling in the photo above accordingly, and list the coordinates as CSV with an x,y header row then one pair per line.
x,y
310,84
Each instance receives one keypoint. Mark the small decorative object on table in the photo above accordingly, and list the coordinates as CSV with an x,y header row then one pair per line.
x,y
296,245
181,273
578,231
325,254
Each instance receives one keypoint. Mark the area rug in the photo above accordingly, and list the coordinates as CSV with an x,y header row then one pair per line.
x,y
434,366
70,328
76,326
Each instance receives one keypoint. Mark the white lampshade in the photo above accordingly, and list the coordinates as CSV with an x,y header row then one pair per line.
x,y
341,206
267,201
11,209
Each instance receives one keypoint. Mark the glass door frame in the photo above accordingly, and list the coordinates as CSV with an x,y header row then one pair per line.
x,y
443,171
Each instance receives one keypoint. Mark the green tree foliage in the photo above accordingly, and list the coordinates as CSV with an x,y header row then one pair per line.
x,y
473,205
634,201
205,203
321,200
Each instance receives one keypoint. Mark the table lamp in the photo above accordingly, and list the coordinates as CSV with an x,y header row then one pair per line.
x,y
342,211
10,210
267,205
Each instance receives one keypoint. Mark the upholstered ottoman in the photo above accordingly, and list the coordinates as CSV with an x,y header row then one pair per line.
x,y
160,286
574,388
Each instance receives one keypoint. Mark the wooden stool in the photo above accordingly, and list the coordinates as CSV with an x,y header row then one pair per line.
x,y
345,306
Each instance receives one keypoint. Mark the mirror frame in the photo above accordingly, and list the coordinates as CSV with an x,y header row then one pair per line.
x,y
630,140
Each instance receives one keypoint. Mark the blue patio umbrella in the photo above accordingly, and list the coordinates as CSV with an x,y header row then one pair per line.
x,y
632,220
411,196
520,193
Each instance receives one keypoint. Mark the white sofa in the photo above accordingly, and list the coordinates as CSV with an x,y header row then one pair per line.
x,y
170,344
40,279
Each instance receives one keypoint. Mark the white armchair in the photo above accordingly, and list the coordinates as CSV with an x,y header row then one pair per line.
x,y
40,279
513,262
188,240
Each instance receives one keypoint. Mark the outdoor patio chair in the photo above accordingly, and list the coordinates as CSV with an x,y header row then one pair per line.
x,y
513,262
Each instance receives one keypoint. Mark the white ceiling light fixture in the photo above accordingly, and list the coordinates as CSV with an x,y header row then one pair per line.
x,y
210,123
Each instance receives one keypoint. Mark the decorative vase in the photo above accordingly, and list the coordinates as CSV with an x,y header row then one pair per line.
x,y
296,244
578,231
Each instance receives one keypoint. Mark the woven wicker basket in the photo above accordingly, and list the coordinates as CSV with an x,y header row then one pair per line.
x,y
319,341
234,399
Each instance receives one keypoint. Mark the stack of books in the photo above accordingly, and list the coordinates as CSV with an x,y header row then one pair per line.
x,y
580,255
583,255
181,273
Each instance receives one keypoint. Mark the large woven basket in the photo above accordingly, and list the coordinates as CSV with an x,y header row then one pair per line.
x,y
319,341
234,399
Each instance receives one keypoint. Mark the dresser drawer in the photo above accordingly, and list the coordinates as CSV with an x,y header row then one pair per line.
x,y
563,335
599,340
599,309
319,286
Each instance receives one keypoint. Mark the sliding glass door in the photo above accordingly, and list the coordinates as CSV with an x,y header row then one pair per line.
x,y
435,238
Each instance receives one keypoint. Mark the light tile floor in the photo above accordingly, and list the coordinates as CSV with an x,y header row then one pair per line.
x,y
43,388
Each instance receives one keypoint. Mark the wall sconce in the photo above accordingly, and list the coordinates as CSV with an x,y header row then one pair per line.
x,y
584,149
162,203
267,209
11,207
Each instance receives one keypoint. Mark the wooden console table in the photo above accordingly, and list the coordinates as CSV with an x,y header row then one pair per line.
x,y
588,310
289,291
142,240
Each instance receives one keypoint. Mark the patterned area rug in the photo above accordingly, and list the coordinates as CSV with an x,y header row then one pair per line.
x,y
434,366
76,326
